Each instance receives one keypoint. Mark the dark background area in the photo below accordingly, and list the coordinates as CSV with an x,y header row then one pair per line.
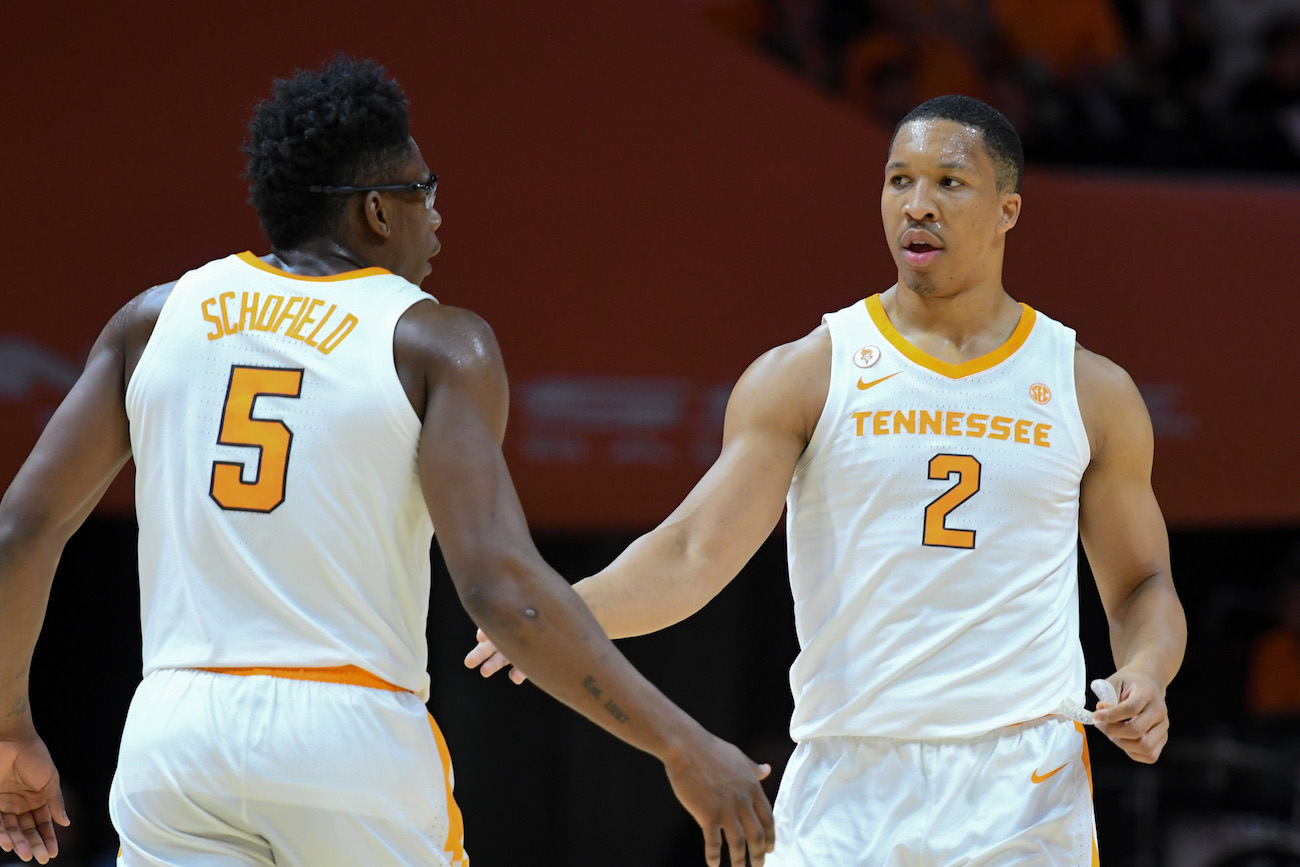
x,y
641,198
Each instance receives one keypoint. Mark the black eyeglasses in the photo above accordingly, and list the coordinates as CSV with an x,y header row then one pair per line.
x,y
429,188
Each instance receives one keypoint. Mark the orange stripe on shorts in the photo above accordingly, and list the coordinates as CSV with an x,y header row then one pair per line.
x,y
455,846
339,674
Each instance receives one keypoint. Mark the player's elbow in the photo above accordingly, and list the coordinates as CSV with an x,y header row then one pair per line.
x,y
494,591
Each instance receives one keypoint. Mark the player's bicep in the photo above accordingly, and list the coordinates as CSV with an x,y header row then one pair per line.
x,y
772,409
463,473
1120,523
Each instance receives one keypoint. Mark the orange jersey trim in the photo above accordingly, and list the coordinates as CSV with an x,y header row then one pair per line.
x,y
952,371
328,278
349,674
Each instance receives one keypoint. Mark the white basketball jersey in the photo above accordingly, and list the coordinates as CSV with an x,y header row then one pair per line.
x,y
933,526
281,518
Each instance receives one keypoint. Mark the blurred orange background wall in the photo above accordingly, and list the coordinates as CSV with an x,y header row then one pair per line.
x,y
639,207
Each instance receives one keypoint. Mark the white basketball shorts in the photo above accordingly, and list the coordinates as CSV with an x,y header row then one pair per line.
x,y
1016,797
221,769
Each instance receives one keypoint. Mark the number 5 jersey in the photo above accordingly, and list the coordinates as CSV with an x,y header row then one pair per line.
x,y
933,526
281,517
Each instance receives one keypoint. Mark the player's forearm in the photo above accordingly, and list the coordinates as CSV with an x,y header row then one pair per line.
x,y
661,579
26,573
1148,632
548,632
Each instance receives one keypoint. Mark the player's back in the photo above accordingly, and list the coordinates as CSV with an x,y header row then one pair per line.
x,y
281,518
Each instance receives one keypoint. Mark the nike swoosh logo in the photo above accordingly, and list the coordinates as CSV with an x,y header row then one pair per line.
x,y
865,385
1037,779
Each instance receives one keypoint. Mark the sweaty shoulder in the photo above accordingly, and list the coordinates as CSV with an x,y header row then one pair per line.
x,y
786,387
132,326
434,340
1113,411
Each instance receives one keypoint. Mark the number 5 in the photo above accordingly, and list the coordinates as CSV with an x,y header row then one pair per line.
x,y
967,471
271,437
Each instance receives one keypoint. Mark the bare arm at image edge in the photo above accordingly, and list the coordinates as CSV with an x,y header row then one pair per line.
x,y
80,452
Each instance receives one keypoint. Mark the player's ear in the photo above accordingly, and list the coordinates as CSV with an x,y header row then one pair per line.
x,y
377,218
1010,212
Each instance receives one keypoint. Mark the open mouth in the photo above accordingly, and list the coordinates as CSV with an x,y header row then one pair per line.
x,y
920,253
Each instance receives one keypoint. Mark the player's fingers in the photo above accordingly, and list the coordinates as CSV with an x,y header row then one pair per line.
x,y
517,675
17,841
712,845
736,843
5,845
479,654
755,838
29,826
45,828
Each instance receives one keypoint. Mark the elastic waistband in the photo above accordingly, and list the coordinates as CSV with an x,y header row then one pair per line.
x,y
349,674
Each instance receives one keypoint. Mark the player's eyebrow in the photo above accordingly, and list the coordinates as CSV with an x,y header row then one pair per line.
x,y
957,164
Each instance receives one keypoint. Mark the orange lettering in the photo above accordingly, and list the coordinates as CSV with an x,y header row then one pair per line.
x,y
319,325
345,328
931,422
905,423
225,314
248,312
304,319
212,317
880,424
950,424
1001,428
975,424
1040,435
269,309
860,418
289,312
1022,430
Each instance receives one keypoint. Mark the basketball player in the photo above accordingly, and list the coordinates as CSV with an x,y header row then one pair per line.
x,y
938,448
300,423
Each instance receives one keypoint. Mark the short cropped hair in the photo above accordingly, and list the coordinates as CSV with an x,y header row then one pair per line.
x,y
1001,141
344,124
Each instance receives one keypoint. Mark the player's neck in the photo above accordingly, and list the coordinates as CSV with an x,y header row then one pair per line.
x,y
320,257
954,327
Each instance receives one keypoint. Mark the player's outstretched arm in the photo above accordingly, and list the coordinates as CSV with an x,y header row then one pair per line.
x,y
1124,536
532,613
81,450
674,570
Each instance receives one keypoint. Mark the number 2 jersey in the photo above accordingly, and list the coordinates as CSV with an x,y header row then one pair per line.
x,y
933,526
281,518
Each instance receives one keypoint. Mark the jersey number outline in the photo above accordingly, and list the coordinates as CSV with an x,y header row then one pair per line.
x,y
271,437
967,470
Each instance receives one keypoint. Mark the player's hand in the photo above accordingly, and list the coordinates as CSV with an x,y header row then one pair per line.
x,y
488,660
31,801
719,786
1139,723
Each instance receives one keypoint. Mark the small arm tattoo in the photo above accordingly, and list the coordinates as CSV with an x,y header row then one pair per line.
x,y
610,705
17,710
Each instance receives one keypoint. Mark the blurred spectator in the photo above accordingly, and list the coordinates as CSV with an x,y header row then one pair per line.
x,y
1182,84
914,52
1265,110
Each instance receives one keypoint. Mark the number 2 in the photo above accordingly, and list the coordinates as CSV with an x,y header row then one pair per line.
x,y
271,437
967,470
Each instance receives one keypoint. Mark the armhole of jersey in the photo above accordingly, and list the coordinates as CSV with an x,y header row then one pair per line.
x,y
819,433
144,363
1080,429
397,404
